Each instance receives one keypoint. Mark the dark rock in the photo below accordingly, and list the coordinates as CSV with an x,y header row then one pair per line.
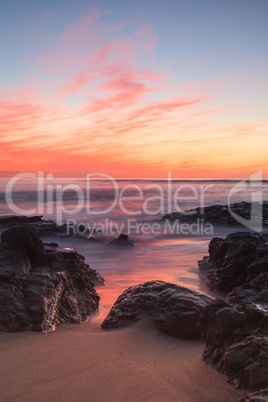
x,y
14,259
236,334
258,266
233,259
26,239
235,347
19,219
246,363
252,299
121,240
203,265
221,325
174,309
46,227
259,396
51,244
239,264
38,298
218,214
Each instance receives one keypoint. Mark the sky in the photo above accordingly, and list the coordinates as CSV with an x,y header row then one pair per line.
x,y
135,88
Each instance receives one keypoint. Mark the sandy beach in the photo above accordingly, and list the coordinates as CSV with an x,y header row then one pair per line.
x,y
86,363
133,191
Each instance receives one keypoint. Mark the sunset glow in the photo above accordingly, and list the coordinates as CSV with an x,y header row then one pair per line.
x,y
134,90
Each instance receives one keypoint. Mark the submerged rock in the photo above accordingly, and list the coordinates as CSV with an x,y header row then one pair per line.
x,y
59,289
46,227
19,219
122,240
175,309
218,214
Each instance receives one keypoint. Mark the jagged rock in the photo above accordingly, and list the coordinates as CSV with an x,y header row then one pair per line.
x,y
47,227
60,289
26,239
234,346
14,259
19,219
246,363
221,325
232,260
259,396
239,264
174,309
218,214
252,299
42,227
236,334
121,240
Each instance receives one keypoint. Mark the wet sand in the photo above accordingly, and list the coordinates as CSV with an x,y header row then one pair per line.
x,y
86,363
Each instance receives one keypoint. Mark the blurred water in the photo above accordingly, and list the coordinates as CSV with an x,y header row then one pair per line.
x,y
170,257
99,195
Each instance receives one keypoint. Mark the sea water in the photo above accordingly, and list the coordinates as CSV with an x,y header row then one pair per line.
x,y
168,254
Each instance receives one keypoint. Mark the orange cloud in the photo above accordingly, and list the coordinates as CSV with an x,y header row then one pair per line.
x,y
88,105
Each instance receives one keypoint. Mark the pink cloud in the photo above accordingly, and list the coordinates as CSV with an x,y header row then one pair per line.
x,y
16,116
90,96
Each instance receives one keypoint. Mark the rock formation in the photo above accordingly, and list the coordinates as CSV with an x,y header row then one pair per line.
x,y
42,286
175,309
122,240
218,214
236,330
47,227
236,348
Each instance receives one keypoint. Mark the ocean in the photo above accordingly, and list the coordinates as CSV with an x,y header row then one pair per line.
x,y
133,207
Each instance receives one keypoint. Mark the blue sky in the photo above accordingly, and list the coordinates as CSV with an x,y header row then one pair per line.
x,y
211,53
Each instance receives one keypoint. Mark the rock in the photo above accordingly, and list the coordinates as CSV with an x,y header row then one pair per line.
x,y
235,347
14,259
52,244
122,240
218,214
246,363
236,333
252,299
26,239
174,309
259,396
203,265
233,259
38,298
258,266
220,325
239,264
19,219
43,227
